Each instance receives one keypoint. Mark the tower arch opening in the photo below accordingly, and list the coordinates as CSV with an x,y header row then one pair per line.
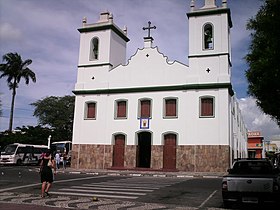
x,y
208,38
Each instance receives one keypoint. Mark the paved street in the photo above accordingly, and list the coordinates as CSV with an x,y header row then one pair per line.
x,y
20,188
20,185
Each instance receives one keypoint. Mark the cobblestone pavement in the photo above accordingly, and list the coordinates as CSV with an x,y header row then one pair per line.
x,y
69,202
65,201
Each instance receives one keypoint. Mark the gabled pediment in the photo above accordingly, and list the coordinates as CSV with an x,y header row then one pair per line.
x,y
148,67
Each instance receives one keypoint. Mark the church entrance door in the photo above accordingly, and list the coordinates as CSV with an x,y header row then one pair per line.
x,y
169,152
143,157
118,151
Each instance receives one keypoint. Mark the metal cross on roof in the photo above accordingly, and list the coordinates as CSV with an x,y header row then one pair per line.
x,y
149,29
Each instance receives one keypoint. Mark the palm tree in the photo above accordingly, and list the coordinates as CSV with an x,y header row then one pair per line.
x,y
0,108
15,69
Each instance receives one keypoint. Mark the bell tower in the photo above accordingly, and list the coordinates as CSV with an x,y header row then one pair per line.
x,y
102,47
209,41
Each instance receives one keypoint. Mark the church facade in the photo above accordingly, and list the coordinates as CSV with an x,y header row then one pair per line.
x,y
153,114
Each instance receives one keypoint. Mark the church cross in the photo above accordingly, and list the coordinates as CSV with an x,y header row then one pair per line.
x,y
149,29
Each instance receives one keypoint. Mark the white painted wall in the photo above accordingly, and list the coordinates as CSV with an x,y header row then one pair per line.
x,y
192,130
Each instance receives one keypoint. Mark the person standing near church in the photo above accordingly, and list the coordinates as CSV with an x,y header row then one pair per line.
x,y
46,166
64,156
57,160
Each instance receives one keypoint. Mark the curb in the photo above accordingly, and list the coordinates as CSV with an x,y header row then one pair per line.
x,y
138,174
146,174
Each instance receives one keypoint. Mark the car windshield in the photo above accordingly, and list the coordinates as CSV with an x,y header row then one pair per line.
x,y
252,167
10,149
60,147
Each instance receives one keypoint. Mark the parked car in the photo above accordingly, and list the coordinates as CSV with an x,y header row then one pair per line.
x,y
251,181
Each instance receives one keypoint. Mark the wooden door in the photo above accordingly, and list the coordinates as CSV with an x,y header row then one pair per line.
x,y
169,152
118,151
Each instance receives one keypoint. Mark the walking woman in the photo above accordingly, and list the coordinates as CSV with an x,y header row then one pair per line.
x,y
47,164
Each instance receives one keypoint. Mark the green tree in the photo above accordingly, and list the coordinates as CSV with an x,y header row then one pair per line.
x,y
15,69
58,113
263,74
26,135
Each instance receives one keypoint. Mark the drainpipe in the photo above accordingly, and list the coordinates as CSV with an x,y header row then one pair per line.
x,y
103,156
78,160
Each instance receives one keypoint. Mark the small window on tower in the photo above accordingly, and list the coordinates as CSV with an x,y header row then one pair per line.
x,y
94,49
208,37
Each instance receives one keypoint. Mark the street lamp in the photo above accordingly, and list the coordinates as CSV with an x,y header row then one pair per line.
x,y
49,141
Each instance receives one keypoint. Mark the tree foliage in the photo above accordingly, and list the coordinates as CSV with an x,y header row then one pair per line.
x,y
14,69
26,135
31,135
58,113
263,74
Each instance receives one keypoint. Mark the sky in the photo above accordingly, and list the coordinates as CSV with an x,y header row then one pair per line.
x,y
46,32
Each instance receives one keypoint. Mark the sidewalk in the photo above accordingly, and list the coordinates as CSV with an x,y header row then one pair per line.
x,y
12,206
143,172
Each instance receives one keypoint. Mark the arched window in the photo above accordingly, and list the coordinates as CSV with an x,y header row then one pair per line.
x,y
94,49
208,37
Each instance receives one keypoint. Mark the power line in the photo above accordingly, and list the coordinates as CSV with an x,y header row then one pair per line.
x,y
19,117
8,108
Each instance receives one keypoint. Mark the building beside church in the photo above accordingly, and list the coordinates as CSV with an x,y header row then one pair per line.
x,y
256,146
151,113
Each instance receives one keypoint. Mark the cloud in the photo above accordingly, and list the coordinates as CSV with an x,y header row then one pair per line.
x,y
9,33
256,120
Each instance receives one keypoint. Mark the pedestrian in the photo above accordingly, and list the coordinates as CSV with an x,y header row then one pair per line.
x,y
46,166
64,160
57,160
41,157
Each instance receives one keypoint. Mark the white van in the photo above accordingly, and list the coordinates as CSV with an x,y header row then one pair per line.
x,y
20,154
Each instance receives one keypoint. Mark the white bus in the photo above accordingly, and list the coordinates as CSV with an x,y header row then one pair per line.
x,y
22,154
63,147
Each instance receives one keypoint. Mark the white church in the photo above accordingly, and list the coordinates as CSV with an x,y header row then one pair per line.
x,y
148,113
